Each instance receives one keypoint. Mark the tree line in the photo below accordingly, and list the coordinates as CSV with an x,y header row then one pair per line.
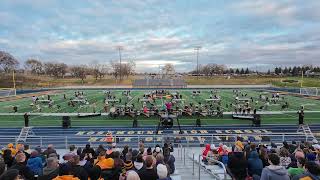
x,y
212,69
295,70
59,70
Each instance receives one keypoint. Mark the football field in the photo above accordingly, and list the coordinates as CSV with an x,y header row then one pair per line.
x,y
273,113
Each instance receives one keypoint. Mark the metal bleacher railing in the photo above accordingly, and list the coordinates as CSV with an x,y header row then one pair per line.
x,y
187,140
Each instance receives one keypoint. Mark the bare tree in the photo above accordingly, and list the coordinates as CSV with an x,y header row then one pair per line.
x,y
55,69
99,70
168,69
127,69
8,62
34,66
80,71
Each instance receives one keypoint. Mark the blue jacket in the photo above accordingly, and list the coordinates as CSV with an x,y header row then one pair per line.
x,y
255,164
35,165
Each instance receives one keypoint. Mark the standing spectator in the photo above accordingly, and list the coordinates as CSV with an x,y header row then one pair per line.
x,y
100,149
255,165
77,170
20,165
8,158
89,150
12,149
138,163
27,149
35,163
274,171
132,175
312,172
205,153
51,170
2,165
49,150
169,160
285,160
299,170
72,150
85,162
148,173
65,173
11,174
263,155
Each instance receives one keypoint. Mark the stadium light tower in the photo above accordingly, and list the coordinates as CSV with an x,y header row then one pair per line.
x,y
119,49
197,48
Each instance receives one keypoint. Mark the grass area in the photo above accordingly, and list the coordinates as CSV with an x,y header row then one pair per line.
x,y
30,81
97,97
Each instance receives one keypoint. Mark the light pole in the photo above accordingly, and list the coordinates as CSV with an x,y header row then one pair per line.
x,y
197,48
119,49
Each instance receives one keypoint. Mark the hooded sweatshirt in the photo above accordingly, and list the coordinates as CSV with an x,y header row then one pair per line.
x,y
273,172
255,165
205,151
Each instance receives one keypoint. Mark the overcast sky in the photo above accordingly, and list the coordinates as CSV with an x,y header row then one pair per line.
x,y
255,34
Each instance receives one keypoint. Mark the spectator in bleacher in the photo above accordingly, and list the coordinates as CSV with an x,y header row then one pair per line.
x,y
149,153
20,165
285,160
20,148
124,152
2,165
12,149
35,163
274,171
132,175
160,159
157,150
299,170
65,173
103,162
237,163
169,160
27,149
99,149
49,150
263,155
224,155
77,170
88,150
162,172
312,172
118,162
149,172
51,170
11,174
138,163
85,162
255,165
292,147
8,158
72,150
205,153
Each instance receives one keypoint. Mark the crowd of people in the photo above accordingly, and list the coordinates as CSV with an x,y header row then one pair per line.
x,y
248,161
110,163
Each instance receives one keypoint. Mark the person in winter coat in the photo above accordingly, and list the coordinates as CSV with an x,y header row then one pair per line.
x,y
162,172
169,160
205,153
24,171
255,165
35,163
51,170
89,150
274,171
78,170
312,172
65,173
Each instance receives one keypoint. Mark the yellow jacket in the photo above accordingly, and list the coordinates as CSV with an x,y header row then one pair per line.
x,y
104,163
66,177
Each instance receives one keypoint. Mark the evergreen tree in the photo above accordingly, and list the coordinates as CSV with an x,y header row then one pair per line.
x,y
247,71
237,71
242,71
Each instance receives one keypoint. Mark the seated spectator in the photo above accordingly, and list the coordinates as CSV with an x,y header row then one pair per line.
x,y
8,158
138,163
148,173
65,173
237,164
162,172
85,162
132,175
224,155
285,160
35,163
88,150
205,153
169,160
51,170
103,162
299,170
77,170
20,165
11,174
274,171
12,149
49,150
255,165
312,172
